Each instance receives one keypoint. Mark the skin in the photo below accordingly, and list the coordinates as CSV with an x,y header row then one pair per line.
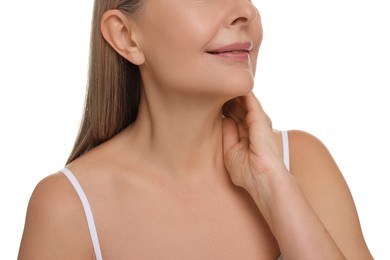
x,y
184,181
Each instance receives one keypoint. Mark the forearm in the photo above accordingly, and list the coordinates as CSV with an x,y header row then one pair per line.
x,y
299,231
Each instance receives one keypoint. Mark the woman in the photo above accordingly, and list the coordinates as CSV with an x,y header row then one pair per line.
x,y
176,159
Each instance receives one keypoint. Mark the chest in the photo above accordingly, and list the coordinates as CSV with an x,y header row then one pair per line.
x,y
222,226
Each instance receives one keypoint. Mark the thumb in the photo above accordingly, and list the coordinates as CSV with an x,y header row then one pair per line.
x,y
229,134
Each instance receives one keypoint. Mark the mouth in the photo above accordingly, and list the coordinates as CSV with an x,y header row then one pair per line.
x,y
225,52
236,51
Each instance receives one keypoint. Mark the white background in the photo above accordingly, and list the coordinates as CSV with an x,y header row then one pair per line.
x,y
323,68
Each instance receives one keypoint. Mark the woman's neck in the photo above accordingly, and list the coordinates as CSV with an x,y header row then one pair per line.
x,y
182,137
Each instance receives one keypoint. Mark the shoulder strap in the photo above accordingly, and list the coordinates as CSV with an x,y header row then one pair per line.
x,y
286,150
87,210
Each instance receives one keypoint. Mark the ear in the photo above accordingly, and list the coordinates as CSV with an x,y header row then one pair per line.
x,y
120,33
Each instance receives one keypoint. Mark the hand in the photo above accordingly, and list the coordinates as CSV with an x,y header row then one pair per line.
x,y
255,162
250,149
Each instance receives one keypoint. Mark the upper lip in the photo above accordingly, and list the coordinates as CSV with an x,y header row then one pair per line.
x,y
238,46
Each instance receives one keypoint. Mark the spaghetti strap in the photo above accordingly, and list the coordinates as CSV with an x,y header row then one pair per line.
x,y
87,210
286,149
286,158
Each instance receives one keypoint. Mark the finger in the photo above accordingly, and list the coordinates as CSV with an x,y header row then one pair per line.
x,y
235,109
243,131
255,110
229,134
228,113
269,121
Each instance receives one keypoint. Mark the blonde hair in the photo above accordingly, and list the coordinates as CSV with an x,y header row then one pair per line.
x,y
113,89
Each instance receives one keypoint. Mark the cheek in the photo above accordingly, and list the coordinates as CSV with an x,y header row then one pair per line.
x,y
174,49
256,32
172,35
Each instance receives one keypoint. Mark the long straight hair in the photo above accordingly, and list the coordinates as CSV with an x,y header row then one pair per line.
x,y
113,88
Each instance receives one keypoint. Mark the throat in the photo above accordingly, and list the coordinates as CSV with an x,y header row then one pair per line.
x,y
179,135
179,146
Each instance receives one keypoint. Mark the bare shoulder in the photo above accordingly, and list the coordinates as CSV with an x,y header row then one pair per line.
x,y
325,188
55,225
312,163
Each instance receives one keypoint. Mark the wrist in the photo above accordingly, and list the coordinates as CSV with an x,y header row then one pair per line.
x,y
265,183
266,189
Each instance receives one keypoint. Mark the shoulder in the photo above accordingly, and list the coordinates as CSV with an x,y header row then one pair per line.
x,y
305,150
325,188
310,160
57,197
304,142
314,167
49,190
55,223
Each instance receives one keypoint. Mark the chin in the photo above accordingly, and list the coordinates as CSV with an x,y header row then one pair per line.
x,y
238,86
234,82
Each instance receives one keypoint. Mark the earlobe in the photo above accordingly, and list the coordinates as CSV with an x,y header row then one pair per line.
x,y
119,32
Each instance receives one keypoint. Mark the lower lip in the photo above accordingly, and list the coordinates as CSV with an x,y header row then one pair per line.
x,y
235,56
